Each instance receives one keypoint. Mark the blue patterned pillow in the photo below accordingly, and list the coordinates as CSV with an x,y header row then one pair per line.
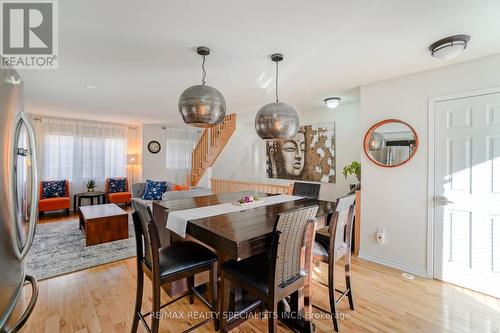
x,y
54,189
154,190
117,185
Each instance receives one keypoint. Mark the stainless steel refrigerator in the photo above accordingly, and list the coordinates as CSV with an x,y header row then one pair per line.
x,y
18,203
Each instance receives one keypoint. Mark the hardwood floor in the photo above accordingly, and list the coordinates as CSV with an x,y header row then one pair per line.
x,y
101,299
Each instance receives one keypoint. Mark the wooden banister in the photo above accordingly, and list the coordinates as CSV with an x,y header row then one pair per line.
x,y
209,146
228,185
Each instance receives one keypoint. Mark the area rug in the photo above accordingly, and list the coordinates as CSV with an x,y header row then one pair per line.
x,y
59,248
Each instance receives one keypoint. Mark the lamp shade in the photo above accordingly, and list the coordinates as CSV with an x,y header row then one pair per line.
x,y
132,159
202,106
277,121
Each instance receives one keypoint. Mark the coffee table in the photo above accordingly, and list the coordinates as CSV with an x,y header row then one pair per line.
x,y
103,223
77,198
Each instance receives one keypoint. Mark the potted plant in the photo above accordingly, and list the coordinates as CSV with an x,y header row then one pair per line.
x,y
353,169
90,185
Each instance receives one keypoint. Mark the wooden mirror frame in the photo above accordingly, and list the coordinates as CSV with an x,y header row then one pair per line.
x,y
377,125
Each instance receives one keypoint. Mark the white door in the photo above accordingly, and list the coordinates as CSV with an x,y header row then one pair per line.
x,y
467,192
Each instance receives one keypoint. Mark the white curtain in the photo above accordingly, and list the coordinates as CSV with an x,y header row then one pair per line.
x,y
80,150
179,147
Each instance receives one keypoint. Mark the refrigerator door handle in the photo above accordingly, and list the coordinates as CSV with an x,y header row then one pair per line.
x,y
31,305
22,117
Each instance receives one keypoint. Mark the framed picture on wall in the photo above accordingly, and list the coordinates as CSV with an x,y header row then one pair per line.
x,y
309,156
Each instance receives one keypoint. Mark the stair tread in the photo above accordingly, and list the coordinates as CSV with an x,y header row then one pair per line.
x,y
208,151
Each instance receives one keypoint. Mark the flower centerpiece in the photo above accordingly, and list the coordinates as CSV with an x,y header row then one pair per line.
x,y
90,185
248,200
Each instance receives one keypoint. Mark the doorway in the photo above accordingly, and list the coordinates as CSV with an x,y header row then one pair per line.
x,y
465,164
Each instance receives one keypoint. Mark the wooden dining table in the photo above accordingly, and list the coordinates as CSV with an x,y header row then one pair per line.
x,y
239,235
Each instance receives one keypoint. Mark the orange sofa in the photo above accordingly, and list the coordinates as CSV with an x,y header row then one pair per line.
x,y
49,204
119,197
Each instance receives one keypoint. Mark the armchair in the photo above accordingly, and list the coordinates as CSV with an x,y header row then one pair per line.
x,y
50,204
118,197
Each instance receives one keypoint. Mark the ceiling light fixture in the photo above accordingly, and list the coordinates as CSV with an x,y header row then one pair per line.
x,y
91,86
449,47
332,102
202,105
277,120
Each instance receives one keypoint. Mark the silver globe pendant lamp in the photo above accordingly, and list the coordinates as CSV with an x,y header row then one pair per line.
x,y
277,120
202,105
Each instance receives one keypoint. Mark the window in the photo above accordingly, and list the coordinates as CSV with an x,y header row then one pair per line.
x,y
103,157
178,154
59,157
80,158
80,150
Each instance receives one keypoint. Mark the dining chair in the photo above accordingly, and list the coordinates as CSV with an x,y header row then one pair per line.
x,y
168,264
271,276
306,190
333,243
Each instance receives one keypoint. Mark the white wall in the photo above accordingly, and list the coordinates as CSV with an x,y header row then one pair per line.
x,y
153,165
244,157
396,198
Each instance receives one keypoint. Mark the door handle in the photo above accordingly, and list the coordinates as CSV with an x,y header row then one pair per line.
x,y
31,305
23,118
443,201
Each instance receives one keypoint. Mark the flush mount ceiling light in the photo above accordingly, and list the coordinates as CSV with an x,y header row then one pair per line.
x,y
202,105
277,120
332,102
449,47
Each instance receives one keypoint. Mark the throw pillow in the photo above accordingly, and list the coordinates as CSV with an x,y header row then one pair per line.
x,y
154,190
54,189
117,185
181,187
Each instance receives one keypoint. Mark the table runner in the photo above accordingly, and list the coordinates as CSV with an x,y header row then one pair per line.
x,y
177,220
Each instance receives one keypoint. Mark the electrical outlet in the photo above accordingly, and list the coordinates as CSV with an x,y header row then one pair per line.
x,y
380,235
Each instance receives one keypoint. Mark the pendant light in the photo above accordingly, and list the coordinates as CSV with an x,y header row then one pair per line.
x,y
202,105
277,120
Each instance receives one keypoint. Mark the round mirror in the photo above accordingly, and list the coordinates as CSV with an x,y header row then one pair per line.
x,y
391,143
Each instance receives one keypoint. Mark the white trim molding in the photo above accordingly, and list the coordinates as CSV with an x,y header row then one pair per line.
x,y
399,265
431,168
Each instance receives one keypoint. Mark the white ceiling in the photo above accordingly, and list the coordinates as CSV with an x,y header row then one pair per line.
x,y
140,54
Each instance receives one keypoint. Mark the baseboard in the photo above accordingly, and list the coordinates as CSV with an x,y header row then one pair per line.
x,y
422,272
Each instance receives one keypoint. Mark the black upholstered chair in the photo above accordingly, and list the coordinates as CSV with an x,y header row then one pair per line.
x,y
333,243
168,264
275,275
306,190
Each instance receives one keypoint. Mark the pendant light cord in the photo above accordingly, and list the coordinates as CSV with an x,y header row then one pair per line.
x,y
277,81
204,72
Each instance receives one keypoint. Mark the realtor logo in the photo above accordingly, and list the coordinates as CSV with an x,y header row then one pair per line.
x,y
29,34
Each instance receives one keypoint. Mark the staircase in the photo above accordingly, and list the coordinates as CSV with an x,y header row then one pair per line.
x,y
209,146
